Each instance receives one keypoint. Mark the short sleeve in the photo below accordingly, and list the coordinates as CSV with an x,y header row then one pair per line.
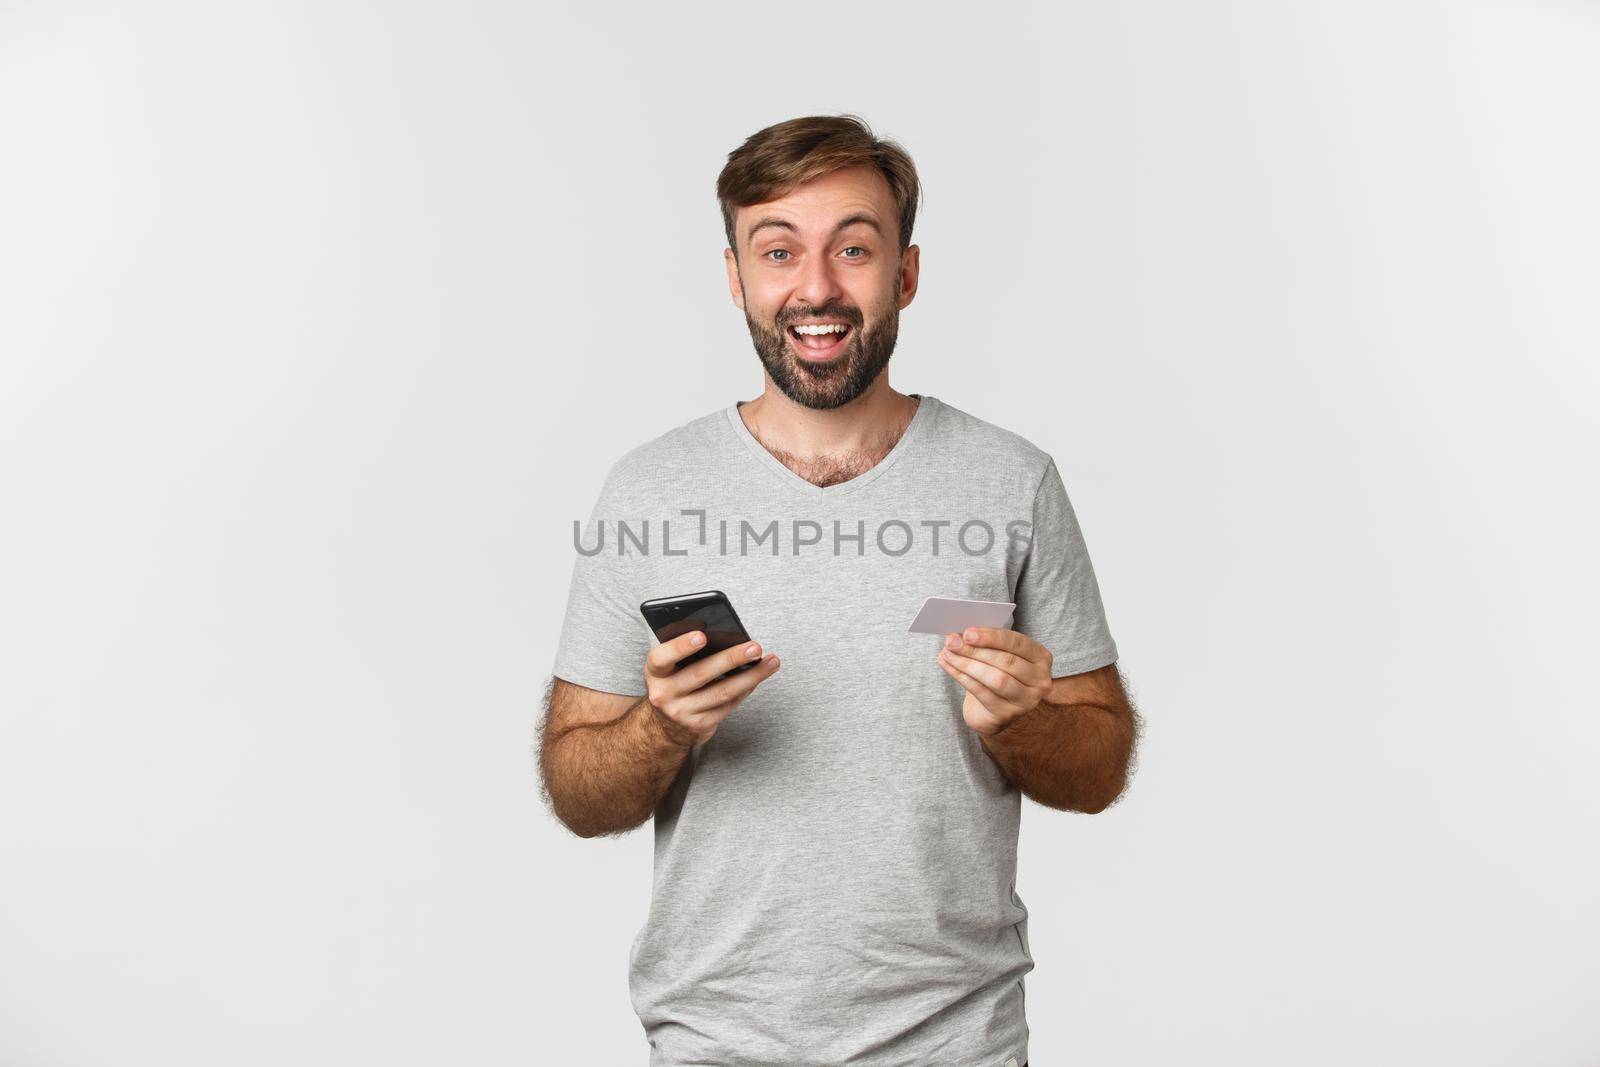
x,y
604,638
1057,596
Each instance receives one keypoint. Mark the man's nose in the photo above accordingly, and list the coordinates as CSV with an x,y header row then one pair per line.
x,y
818,282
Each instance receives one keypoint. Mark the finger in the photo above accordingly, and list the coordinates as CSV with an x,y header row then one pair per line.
x,y
993,637
1019,644
663,659
996,703
712,667
1028,672
991,676
729,691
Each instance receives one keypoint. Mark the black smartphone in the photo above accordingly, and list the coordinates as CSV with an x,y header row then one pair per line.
x,y
710,612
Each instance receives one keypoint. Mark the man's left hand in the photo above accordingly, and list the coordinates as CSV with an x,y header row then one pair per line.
x,y
1005,674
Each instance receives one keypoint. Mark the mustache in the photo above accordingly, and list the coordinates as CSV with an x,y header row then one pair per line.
x,y
843,314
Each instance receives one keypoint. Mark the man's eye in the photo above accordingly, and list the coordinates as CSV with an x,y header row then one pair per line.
x,y
778,252
856,248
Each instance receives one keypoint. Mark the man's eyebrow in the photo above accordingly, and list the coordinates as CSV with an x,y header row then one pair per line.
x,y
852,220
844,223
768,221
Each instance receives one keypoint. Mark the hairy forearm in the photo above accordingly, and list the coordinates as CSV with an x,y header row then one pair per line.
x,y
607,778
1073,757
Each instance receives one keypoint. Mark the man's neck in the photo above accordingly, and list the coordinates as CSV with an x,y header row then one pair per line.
x,y
829,446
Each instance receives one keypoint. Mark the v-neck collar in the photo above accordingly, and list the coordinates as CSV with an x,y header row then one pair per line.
x,y
919,419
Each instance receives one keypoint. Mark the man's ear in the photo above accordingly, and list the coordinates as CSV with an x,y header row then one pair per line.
x,y
735,286
910,272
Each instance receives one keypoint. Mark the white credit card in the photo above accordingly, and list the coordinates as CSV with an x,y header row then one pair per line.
x,y
945,615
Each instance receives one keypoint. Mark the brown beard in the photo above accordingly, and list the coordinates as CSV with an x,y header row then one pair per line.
x,y
844,378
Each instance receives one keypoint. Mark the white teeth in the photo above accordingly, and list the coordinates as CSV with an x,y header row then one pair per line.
x,y
816,331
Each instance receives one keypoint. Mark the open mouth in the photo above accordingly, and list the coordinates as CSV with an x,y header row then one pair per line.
x,y
818,342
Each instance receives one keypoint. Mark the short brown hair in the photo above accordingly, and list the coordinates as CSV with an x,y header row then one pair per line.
x,y
775,160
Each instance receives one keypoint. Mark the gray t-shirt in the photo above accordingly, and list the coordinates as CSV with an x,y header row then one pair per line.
x,y
835,870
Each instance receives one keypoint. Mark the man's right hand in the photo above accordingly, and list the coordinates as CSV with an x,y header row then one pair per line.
x,y
692,708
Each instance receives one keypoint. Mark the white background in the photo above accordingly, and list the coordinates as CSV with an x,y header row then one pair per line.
x,y
321,322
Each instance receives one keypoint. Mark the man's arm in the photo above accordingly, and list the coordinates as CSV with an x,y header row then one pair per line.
x,y
607,759
1066,742
1073,750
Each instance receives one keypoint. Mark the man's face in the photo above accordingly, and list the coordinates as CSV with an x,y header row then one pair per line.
x,y
828,253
